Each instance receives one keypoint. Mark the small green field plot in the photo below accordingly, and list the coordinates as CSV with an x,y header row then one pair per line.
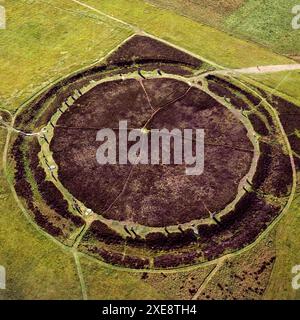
x,y
287,82
104,283
267,22
208,12
287,256
246,276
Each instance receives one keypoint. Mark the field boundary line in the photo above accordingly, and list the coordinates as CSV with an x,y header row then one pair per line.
x,y
78,13
106,15
208,278
80,276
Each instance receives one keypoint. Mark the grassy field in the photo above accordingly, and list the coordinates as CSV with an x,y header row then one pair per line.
x,y
243,276
287,253
117,284
103,283
33,263
205,41
209,12
265,22
46,40
287,82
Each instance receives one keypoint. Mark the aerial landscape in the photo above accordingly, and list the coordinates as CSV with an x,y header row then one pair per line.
x,y
150,150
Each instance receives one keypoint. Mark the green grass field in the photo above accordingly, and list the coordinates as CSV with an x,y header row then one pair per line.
x,y
207,42
208,12
287,82
267,23
287,255
33,263
46,40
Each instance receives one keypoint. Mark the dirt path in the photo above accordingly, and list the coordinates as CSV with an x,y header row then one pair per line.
x,y
80,276
208,278
250,70
263,69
